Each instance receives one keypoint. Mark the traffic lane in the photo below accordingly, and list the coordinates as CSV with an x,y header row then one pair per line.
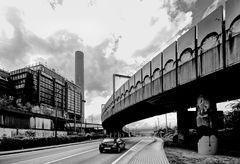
x,y
40,154
95,157
52,154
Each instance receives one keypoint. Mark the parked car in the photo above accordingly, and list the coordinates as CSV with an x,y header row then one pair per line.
x,y
112,144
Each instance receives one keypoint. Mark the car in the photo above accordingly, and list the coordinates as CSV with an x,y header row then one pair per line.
x,y
112,144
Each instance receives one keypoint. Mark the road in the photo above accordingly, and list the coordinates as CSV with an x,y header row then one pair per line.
x,y
85,153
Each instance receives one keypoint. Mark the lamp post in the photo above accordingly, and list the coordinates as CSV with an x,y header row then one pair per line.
x,y
114,76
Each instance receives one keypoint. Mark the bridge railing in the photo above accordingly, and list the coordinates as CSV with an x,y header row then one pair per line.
x,y
232,32
186,57
213,44
209,43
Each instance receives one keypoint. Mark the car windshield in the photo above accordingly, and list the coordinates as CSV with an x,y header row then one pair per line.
x,y
108,140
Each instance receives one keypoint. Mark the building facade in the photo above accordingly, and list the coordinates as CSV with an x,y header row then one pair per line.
x,y
53,100
74,101
6,86
25,85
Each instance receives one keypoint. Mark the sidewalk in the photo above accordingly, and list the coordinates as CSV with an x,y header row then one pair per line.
x,y
184,156
151,154
133,151
45,147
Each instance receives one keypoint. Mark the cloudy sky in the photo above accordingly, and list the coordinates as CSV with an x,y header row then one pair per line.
x,y
116,36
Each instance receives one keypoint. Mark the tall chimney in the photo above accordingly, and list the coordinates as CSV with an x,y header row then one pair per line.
x,y
79,76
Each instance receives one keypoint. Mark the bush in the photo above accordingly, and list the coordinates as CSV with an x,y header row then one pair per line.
x,y
22,143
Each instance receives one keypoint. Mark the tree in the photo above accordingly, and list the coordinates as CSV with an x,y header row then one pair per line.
x,y
232,117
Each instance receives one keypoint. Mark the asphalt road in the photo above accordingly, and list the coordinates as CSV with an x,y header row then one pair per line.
x,y
86,153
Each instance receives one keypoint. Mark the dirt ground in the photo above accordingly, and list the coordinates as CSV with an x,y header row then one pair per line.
x,y
183,156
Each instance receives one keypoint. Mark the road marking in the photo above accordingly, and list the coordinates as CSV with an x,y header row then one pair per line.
x,y
132,149
48,156
48,148
70,156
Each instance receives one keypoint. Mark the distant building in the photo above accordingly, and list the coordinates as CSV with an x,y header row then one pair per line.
x,y
6,86
42,86
25,85
42,99
74,101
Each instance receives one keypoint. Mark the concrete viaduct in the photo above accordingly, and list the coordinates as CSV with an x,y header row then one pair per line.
x,y
199,69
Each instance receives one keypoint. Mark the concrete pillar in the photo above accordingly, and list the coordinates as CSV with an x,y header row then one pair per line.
x,y
206,125
182,126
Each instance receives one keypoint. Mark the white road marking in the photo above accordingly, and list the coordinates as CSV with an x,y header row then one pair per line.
x,y
132,149
70,156
10,156
38,158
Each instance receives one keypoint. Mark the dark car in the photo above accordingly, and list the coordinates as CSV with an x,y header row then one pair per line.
x,y
112,144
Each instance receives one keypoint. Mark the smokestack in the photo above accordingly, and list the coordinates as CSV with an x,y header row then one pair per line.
x,y
79,75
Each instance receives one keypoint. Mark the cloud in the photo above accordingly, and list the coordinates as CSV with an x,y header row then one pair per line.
x,y
99,68
176,21
55,3
58,49
21,46
109,33
94,118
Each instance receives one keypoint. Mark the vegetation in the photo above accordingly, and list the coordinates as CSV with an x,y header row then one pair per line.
x,y
23,143
229,136
7,102
232,117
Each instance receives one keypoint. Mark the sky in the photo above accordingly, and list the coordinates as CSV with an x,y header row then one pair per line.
x,y
116,36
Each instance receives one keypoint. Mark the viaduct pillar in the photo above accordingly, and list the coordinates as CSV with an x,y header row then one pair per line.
x,y
182,126
206,125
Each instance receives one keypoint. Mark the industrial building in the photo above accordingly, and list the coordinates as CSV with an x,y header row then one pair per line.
x,y
5,83
42,99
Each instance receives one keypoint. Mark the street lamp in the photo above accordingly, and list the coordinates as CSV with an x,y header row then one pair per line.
x,y
114,76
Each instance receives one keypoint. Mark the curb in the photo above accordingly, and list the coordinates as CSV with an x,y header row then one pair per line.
x,y
45,147
164,153
154,140
126,159
155,154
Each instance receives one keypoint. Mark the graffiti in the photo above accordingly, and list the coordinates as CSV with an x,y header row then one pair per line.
x,y
204,117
